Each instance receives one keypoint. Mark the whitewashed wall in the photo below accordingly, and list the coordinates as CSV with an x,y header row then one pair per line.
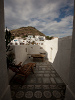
x,y
62,60
40,42
35,49
51,47
20,53
58,53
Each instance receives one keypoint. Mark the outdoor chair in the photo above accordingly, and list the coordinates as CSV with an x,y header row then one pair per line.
x,y
23,71
17,66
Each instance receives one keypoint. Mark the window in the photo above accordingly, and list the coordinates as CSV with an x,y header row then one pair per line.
x,y
21,43
16,44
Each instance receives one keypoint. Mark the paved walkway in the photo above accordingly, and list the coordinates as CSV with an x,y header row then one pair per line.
x,y
44,84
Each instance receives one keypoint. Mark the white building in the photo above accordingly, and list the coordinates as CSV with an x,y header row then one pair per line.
x,y
38,39
18,41
30,39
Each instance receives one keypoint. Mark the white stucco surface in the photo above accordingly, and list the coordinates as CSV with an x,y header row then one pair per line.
x,y
51,47
21,52
35,49
62,60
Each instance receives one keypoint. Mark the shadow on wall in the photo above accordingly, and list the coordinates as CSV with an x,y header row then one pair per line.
x,y
49,48
61,62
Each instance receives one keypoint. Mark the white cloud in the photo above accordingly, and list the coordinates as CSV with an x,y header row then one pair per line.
x,y
20,13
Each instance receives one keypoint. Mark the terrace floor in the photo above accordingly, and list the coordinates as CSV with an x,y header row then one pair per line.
x,y
44,84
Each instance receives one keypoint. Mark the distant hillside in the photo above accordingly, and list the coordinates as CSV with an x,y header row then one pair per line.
x,y
24,31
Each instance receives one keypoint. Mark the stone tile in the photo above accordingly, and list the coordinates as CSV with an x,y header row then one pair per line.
x,y
53,86
46,87
57,75
58,80
39,80
53,75
19,94
46,80
32,80
47,94
23,87
47,71
40,72
40,62
48,68
43,68
53,71
36,69
53,80
31,76
39,75
38,94
37,63
30,86
29,94
36,66
56,94
51,67
46,75
40,68
38,87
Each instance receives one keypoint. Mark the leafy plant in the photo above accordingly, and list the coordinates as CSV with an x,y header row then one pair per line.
x,y
8,38
10,59
49,38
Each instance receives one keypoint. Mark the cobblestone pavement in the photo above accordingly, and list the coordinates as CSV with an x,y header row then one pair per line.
x,y
44,84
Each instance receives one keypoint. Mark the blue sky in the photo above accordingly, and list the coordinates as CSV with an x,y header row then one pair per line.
x,y
51,17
